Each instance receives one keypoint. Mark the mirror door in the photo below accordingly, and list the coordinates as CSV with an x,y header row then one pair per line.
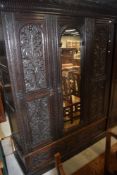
x,y
70,56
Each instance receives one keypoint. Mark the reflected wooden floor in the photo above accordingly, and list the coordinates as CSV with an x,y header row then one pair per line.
x,y
96,167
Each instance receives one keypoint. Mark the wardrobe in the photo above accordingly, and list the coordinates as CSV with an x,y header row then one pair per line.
x,y
59,77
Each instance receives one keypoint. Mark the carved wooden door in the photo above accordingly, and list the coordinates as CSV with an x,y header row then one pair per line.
x,y
96,59
98,67
30,59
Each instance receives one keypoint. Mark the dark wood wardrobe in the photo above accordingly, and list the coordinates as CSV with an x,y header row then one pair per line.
x,y
58,62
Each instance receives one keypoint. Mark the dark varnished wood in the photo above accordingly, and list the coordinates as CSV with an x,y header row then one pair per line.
x,y
16,88
38,133
67,146
113,98
21,87
85,7
99,69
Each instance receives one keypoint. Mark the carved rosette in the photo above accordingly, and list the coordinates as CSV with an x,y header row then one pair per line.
x,y
39,121
32,53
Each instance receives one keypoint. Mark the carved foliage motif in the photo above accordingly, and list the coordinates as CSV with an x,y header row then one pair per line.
x,y
32,52
97,98
39,121
98,71
100,50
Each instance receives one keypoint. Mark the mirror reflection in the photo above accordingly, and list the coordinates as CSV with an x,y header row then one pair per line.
x,y
71,76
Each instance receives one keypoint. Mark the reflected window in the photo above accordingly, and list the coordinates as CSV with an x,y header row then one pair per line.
x,y
71,76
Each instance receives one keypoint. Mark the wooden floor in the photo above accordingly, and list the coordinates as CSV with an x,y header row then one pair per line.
x,y
96,167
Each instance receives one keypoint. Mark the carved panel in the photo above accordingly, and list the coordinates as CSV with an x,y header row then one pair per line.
x,y
97,93
98,71
70,145
100,50
32,52
39,121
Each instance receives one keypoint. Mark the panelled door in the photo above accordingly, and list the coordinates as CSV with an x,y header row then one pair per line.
x,y
85,48
31,60
98,62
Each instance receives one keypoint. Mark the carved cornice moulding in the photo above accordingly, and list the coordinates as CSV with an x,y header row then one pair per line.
x,y
77,7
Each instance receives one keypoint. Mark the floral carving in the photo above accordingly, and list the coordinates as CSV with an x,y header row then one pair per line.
x,y
39,121
100,50
98,71
32,52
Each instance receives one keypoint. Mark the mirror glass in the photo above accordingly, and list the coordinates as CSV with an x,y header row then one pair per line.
x,y
71,76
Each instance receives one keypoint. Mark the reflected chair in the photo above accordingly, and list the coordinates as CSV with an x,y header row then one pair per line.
x,y
68,114
66,86
74,78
